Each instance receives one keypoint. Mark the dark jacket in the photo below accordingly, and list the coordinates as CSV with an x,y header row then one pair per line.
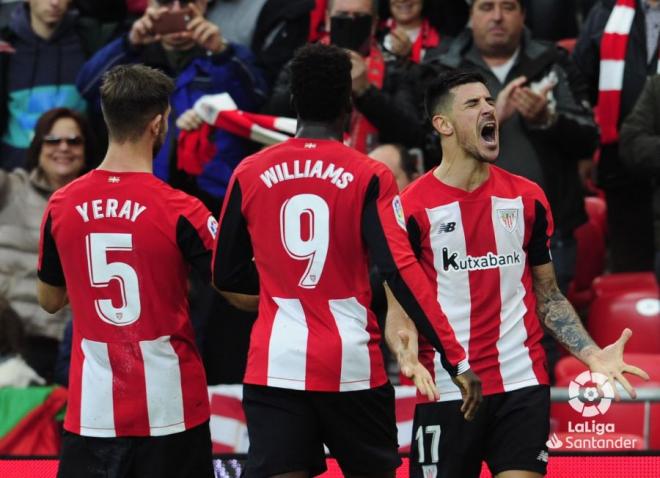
x,y
232,71
548,155
611,171
391,110
640,143
37,75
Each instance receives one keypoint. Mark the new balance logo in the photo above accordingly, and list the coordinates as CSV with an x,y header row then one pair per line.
x,y
489,261
446,227
543,456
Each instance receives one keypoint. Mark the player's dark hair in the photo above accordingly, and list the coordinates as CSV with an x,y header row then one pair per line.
x,y
321,82
408,161
131,96
438,93
43,127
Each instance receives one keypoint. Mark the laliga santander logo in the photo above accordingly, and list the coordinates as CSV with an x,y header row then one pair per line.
x,y
584,397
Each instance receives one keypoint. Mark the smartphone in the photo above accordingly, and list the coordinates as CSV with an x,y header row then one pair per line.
x,y
172,22
352,33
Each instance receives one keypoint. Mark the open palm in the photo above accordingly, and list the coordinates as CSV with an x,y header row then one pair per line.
x,y
609,361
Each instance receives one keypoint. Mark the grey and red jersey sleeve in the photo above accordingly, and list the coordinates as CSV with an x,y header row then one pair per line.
x,y
384,230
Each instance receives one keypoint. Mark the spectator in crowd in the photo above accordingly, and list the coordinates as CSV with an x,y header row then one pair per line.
x,y
545,127
6,7
410,34
640,148
616,50
14,372
403,164
60,151
41,51
273,29
202,62
383,95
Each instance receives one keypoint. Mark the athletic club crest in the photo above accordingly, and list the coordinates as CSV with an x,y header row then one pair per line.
x,y
508,218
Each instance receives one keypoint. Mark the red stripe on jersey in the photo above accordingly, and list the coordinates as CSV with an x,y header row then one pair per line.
x,y
485,314
227,407
256,371
129,391
323,367
193,382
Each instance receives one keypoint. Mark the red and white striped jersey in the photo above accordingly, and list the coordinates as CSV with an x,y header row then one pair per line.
x,y
310,211
123,245
479,248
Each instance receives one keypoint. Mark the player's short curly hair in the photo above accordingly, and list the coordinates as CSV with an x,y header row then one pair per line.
x,y
321,82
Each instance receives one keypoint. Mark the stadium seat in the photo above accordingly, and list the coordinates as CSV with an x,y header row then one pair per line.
x,y
638,310
615,284
628,418
590,262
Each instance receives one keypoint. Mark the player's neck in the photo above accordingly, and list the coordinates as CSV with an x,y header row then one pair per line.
x,y
320,130
128,157
462,171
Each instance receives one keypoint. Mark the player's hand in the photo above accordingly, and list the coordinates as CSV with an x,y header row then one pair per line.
x,y
358,73
609,362
142,30
470,386
407,357
504,105
532,106
189,121
203,32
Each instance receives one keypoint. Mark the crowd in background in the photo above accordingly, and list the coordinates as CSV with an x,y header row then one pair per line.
x,y
53,54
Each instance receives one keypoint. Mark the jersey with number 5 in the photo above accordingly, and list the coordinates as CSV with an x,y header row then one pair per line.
x,y
312,213
123,244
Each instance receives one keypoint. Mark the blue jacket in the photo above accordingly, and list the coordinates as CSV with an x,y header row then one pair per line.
x,y
232,71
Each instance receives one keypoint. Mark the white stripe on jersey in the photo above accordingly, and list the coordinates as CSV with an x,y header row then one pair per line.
x,y
96,407
516,365
351,319
287,349
162,375
453,287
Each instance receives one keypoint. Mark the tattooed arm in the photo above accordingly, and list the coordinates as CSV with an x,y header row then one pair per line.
x,y
559,317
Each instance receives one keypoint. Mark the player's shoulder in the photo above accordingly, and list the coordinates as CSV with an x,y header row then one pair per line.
x,y
176,199
413,194
515,184
70,190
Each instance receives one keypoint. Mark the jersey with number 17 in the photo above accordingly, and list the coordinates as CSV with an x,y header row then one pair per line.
x,y
123,245
313,213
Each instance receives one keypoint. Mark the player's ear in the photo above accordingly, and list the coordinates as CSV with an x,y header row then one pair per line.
x,y
156,125
443,125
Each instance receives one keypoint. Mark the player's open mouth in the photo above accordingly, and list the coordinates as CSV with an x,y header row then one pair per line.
x,y
489,132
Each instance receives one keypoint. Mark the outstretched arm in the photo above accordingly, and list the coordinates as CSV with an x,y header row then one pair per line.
x,y
558,315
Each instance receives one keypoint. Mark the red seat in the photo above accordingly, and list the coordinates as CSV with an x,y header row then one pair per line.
x,y
597,211
639,311
627,418
624,282
590,263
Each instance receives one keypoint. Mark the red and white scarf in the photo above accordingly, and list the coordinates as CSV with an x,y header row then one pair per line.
x,y
613,48
195,148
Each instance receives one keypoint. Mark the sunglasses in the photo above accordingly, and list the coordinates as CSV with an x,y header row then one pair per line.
x,y
53,140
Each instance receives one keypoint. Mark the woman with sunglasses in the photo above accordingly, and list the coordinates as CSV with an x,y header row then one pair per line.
x,y
59,152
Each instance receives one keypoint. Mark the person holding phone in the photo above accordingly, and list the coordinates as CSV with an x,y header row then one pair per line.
x,y
176,37
384,105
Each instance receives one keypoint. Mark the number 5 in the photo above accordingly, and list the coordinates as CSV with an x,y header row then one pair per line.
x,y
313,248
101,272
